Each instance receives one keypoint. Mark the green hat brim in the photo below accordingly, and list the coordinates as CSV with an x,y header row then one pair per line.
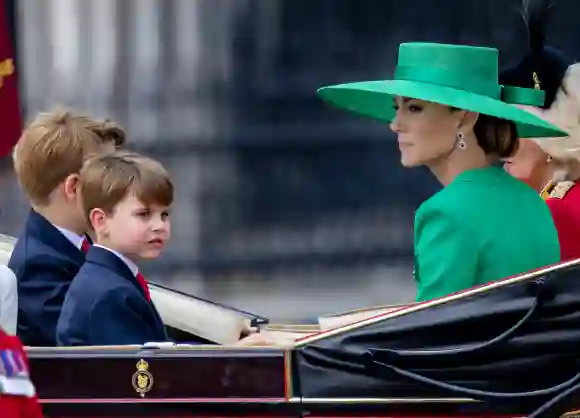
x,y
375,99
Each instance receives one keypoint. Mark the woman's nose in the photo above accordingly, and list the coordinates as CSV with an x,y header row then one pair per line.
x,y
395,124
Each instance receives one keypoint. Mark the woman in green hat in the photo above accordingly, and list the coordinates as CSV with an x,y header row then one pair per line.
x,y
451,115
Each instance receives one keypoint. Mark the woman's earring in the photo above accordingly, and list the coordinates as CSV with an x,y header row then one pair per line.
x,y
461,140
549,159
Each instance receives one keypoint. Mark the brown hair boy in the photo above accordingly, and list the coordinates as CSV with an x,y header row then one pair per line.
x,y
47,160
126,199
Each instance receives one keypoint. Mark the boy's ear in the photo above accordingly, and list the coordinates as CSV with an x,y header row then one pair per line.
x,y
98,221
71,186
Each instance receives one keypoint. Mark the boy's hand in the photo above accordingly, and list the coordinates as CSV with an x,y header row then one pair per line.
x,y
249,331
265,339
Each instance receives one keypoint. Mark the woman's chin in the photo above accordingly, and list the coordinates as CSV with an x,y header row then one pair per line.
x,y
409,162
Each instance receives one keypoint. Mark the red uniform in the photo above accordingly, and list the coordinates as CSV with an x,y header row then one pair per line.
x,y
17,393
563,199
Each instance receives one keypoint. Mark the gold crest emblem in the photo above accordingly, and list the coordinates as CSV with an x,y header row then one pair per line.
x,y
536,81
6,69
142,378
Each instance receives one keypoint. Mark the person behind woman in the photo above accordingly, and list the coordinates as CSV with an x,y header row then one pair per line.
x,y
551,165
450,114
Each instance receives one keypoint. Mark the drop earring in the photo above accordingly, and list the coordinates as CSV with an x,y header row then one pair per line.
x,y
461,141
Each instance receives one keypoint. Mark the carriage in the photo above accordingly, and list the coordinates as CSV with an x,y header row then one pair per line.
x,y
506,349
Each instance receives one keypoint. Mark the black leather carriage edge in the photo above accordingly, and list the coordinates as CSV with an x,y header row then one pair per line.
x,y
513,348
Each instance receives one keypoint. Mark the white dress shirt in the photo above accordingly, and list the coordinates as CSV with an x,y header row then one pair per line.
x,y
75,239
132,266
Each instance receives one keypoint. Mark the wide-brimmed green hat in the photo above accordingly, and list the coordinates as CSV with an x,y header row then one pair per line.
x,y
464,77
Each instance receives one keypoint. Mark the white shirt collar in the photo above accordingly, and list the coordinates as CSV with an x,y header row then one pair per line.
x,y
75,239
132,266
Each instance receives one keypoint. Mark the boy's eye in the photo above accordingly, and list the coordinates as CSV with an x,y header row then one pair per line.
x,y
143,213
164,215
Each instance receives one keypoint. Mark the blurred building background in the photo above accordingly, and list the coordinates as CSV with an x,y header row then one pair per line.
x,y
285,206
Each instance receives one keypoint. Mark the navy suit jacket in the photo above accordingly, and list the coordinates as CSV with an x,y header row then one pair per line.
x,y
106,305
45,262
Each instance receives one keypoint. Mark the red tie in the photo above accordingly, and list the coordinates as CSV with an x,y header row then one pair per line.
x,y
144,285
85,245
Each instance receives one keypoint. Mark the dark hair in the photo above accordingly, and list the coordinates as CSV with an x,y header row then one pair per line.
x,y
498,137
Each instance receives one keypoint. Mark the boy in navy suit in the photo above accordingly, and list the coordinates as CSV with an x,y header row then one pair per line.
x,y
49,252
126,199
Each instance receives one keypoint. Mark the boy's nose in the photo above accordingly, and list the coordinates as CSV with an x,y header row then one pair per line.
x,y
159,223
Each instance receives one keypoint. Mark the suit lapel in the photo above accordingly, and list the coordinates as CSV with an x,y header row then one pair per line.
x,y
110,261
160,323
45,232
118,267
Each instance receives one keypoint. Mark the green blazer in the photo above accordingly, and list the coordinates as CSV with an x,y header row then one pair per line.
x,y
484,226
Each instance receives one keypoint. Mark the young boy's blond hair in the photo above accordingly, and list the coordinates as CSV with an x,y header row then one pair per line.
x,y
110,132
105,180
55,145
